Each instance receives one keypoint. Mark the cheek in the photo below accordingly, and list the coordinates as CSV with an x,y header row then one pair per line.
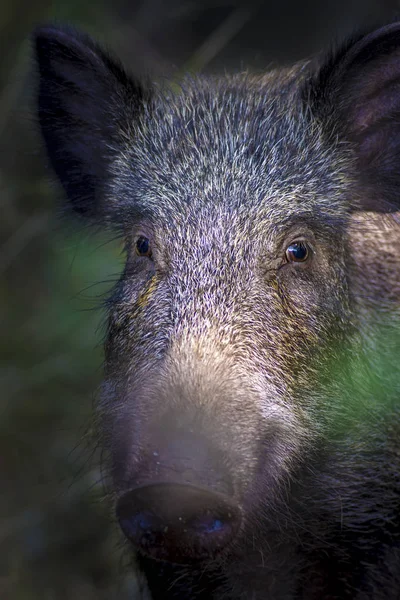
x,y
284,424
301,288
317,294
269,398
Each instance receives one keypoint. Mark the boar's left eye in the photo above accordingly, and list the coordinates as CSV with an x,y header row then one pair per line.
x,y
297,252
143,246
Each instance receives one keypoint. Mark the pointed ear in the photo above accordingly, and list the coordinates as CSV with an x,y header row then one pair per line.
x,y
358,90
88,108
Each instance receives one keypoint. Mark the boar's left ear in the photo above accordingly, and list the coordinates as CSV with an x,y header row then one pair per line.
x,y
87,108
358,93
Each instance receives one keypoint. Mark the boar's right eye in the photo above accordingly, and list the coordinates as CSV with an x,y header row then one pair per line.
x,y
143,246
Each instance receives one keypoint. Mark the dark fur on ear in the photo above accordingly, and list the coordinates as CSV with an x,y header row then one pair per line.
x,y
87,104
357,93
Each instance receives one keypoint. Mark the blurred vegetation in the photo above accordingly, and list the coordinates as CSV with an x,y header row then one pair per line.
x,y
57,539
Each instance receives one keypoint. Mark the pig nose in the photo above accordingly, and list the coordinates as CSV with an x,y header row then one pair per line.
x,y
178,523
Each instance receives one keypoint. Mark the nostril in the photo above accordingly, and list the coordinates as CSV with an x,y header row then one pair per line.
x,y
134,525
178,523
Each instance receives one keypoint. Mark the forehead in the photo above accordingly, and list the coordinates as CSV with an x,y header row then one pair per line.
x,y
234,146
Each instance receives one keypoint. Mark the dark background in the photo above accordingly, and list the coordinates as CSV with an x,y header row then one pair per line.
x,y
57,539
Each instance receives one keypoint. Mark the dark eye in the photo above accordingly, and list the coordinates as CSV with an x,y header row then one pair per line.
x,y
143,247
297,252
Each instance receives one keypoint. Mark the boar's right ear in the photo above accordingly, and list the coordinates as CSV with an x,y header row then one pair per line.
x,y
356,93
87,107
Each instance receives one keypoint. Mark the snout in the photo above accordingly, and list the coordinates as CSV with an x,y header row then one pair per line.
x,y
180,505
177,522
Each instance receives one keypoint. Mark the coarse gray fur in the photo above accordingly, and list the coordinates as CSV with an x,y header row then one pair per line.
x,y
289,370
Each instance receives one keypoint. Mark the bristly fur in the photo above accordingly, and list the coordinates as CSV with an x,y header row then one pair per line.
x,y
283,374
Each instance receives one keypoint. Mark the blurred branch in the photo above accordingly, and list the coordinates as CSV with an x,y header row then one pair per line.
x,y
220,37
